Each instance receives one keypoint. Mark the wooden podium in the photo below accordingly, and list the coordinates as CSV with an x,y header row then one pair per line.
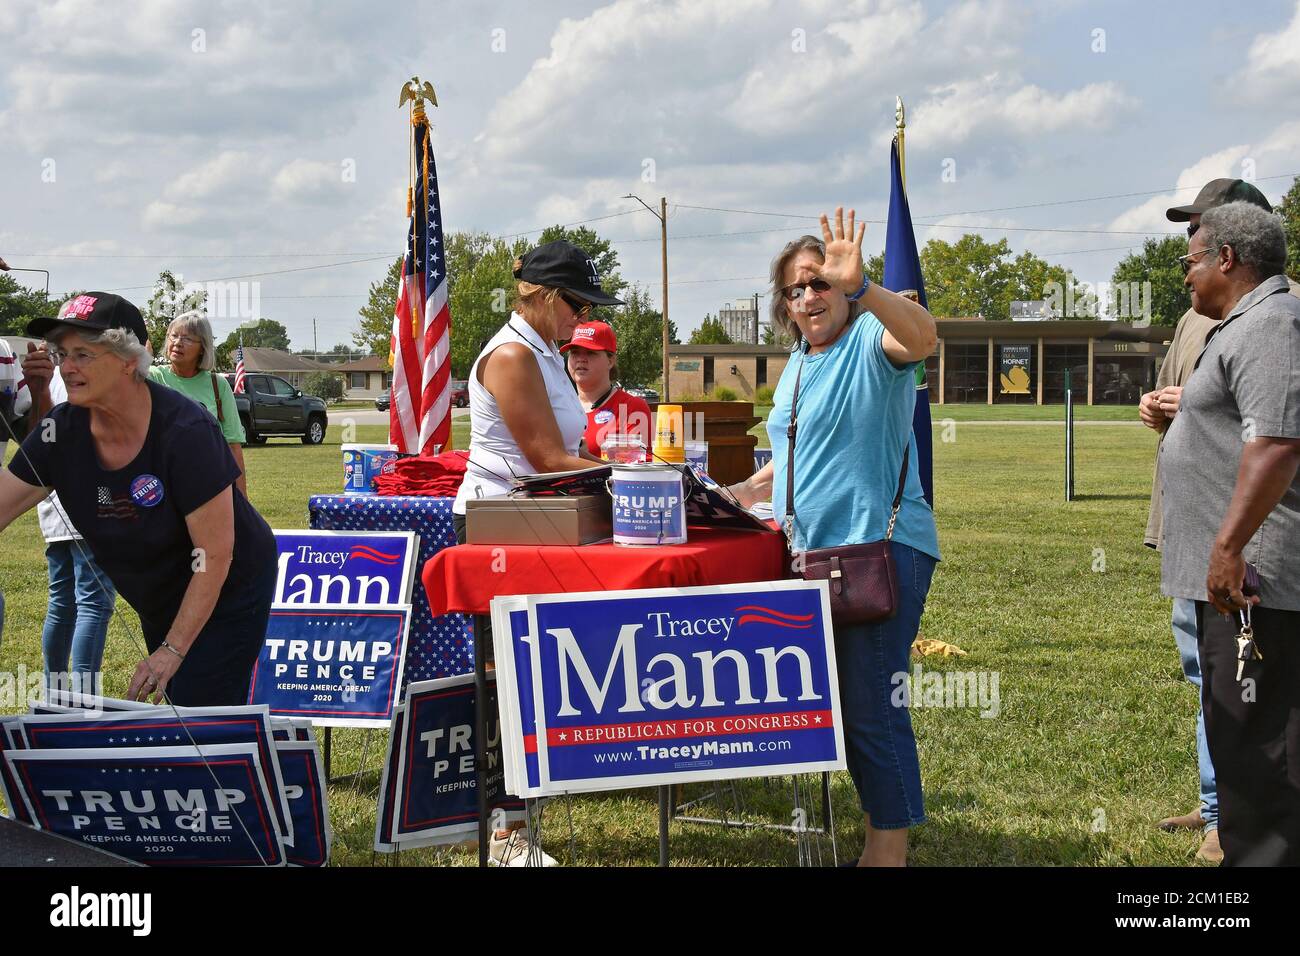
x,y
726,428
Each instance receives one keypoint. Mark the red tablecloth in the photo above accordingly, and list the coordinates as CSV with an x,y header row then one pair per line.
x,y
466,578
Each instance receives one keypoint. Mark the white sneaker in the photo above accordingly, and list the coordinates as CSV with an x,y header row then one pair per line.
x,y
517,849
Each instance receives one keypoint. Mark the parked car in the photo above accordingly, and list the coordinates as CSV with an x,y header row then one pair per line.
x,y
271,406
648,395
383,401
459,394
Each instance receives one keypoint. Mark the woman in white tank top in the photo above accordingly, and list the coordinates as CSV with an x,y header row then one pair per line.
x,y
525,417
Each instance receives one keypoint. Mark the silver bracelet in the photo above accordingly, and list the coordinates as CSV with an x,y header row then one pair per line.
x,y
172,649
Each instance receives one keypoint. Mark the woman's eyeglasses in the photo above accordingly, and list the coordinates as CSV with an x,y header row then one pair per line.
x,y
580,307
184,339
80,357
793,293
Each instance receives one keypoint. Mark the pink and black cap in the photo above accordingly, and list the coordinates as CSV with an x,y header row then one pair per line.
x,y
93,312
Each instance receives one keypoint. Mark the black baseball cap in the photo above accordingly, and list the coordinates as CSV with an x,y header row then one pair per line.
x,y
96,312
562,265
1215,193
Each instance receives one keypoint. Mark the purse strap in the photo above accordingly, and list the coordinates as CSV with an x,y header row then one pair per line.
x,y
217,395
792,431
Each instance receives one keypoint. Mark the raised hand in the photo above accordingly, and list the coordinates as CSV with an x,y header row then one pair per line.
x,y
843,265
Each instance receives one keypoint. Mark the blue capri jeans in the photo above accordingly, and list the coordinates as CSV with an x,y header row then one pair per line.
x,y
878,738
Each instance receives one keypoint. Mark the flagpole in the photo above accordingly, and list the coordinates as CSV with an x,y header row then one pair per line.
x,y
900,129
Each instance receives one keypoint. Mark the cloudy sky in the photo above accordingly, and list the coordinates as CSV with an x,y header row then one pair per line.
x,y
232,139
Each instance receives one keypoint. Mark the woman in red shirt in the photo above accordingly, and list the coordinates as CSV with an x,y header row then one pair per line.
x,y
610,410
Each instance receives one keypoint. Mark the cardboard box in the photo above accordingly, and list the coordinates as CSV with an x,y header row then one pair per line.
x,y
572,519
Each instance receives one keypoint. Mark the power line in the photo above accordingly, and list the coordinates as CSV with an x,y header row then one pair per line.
x,y
367,256
254,275
972,212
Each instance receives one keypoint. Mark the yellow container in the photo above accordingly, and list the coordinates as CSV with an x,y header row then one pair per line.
x,y
670,437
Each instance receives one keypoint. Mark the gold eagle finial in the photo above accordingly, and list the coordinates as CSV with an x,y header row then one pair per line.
x,y
414,89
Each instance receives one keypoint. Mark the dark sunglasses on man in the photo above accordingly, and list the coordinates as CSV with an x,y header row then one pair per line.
x,y
793,293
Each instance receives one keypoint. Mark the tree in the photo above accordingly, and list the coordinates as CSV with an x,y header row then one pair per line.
x,y
263,334
324,385
170,298
375,333
966,277
975,277
710,332
19,305
1157,264
639,328
1290,212
481,285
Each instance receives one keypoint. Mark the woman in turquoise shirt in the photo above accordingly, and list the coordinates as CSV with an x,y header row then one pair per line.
x,y
857,345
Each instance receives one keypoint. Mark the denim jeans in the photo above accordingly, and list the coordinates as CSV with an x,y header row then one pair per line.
x,y
76,617
878,738
1184,626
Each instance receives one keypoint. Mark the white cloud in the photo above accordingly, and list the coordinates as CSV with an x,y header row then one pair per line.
x,y
1269,162
306,179
1273,64
227,169
165,215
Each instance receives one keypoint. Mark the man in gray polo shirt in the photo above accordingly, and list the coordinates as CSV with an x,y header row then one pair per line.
x,y
1228,468
1157,410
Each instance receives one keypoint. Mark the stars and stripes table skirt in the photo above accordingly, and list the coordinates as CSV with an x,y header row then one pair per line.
x,y
437,646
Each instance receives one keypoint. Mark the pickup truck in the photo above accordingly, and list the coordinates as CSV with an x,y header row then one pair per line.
x,y
271,406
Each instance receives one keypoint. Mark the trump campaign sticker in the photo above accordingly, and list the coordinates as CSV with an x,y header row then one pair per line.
x,y
147,491
604,417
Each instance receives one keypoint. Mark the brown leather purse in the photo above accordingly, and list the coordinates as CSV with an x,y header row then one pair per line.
x,y
863,580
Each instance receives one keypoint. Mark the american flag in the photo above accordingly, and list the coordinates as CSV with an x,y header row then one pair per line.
x,y
420,413
239,370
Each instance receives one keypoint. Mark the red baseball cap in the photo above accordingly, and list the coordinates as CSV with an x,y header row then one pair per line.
x,y
596,336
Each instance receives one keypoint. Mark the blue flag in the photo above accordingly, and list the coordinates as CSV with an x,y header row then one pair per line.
x,y
903,274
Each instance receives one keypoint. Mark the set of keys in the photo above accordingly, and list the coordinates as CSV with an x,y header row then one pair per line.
x,y
1247,650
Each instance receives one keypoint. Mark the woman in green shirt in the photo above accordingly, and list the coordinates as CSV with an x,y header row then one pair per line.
x,y
190,355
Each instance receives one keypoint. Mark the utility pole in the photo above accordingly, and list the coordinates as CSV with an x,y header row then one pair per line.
x,y
756,342
315,349
663,238
662,216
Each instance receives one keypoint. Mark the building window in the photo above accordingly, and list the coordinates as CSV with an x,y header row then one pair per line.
x,y
1120,379
358,380
966,369
1056,359
932,376
1007,357
708,374
760,371
388,381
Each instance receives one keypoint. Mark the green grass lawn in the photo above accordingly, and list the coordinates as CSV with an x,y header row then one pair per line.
x,y
1094,740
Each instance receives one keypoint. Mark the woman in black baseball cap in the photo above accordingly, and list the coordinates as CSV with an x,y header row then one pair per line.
x,y
525,417
146,477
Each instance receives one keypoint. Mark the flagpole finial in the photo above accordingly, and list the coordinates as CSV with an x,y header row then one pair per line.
x,y
418,92
900,121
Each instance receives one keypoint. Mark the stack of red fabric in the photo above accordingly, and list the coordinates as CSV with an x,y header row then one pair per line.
x,y
437,477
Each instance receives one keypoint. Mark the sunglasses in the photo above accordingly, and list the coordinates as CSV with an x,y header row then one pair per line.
x,y
1191,230
580,307
793,293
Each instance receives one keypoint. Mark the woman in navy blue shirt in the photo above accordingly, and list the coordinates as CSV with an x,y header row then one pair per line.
x,y
858,346
147,478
